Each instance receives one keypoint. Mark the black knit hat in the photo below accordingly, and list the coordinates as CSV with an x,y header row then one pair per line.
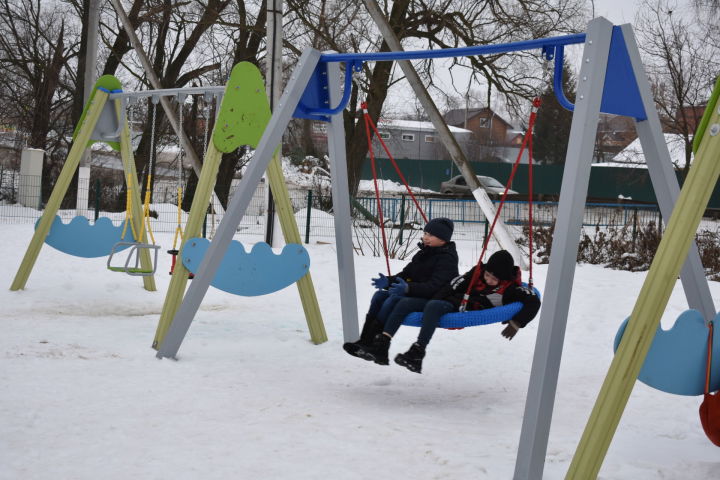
x,y
441,227
501,264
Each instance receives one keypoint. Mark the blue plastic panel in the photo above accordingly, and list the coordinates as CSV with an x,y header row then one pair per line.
x,y
316,95
258,272
621,95
677,357
81,239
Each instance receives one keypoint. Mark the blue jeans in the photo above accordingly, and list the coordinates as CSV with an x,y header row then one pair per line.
x,y
381,305
404,306
434,309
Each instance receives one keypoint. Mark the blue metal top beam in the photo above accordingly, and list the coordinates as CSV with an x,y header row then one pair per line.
x,y
455,52
315,104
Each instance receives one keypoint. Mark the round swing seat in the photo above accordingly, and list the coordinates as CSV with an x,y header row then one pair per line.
x,y
472,318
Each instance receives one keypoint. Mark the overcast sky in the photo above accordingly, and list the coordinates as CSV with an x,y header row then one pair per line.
x,y
403,101
617,11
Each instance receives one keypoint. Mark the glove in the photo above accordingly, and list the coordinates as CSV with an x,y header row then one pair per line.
x,y
399,288
509,331
381,282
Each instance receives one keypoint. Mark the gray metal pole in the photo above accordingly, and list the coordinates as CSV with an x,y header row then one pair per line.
x,y
238,204
447,138
540,400
155,82
664,181
341,211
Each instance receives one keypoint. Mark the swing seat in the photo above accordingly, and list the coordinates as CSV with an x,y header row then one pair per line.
x,y
258,272
80,239
472,318
135,248
677,358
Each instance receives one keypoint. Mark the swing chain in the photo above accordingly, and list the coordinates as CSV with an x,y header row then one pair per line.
x,y
152,135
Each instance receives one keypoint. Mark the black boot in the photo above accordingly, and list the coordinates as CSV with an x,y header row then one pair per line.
x,y
378,351
371,327
412,359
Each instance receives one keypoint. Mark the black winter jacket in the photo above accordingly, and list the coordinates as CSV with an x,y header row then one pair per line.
x,y
429,270
482,296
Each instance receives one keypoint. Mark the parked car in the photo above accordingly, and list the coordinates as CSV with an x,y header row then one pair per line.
x,y
458,185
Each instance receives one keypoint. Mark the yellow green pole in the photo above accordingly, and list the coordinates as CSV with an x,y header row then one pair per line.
x,y
650,304
291,233
90,118
193,228
137,205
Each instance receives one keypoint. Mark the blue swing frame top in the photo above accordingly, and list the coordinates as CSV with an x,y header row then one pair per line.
x,y
621,95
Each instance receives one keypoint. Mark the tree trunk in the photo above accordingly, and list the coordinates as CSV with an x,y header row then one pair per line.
x,y
355,137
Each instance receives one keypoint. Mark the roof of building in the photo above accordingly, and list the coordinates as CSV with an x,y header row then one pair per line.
x,y
414,125
632,156
457,115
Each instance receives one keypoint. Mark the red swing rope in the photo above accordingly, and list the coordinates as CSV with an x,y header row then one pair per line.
x,y
527,142
369,124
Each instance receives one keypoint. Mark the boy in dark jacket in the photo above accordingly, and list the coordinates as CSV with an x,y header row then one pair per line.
x,y
432,267
498,284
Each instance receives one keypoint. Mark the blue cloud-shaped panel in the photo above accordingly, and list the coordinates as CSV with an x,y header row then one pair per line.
x,y
677,358
81,239
258,272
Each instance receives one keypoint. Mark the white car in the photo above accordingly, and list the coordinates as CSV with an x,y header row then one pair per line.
x,y
458,185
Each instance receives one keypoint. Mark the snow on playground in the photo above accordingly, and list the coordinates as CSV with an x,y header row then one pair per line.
x,y
251,397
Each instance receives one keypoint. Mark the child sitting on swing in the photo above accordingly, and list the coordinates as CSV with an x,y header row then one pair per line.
x,y
428,271
498,284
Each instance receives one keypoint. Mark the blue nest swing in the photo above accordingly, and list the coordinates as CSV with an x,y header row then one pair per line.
x,y
472,318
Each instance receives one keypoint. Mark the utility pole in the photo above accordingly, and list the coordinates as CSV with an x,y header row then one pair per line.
x,y
273,83
448,139
91,41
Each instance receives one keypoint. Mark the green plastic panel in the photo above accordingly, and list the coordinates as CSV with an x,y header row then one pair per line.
x,y
245,110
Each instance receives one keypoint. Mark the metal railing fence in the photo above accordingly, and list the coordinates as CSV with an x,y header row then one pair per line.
x,y
20,202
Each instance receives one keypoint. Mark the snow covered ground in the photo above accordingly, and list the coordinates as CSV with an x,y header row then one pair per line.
x,y
251,397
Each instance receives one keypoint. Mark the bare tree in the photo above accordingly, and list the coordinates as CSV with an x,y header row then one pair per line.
x,y
682,66
171,34
36,45
433,24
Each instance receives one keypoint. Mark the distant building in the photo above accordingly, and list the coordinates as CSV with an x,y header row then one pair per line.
x,y
494,138
416,140
488,128
615,132
687,119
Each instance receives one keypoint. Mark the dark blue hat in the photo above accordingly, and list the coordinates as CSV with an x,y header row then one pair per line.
x,y
501,264
441,227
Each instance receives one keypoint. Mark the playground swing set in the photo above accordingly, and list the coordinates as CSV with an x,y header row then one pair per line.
x,y
611,80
